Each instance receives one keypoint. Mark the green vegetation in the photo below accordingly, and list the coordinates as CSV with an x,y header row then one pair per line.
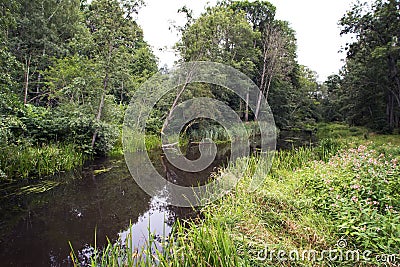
x,y
68,70
341,196
29,162
367,91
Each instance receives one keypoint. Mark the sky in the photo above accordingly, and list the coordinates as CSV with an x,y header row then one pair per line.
x,y
315,23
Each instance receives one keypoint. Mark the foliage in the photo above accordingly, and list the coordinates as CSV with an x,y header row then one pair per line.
x,y
247,36
358,189
371,82
28,162
78,65
345,189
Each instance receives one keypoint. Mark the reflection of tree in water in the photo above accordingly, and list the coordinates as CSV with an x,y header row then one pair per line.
x,y
183,178
40,225
71,212
170,175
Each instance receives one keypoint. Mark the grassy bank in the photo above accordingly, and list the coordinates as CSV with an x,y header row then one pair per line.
x,y
27,162
336,204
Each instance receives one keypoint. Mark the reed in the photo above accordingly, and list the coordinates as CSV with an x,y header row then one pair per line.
x,y
26,162
295,209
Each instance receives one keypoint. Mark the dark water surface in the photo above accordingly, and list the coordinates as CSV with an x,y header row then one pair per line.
x,y
35,227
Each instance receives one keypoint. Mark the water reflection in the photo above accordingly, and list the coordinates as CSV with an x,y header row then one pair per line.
x,y
35,228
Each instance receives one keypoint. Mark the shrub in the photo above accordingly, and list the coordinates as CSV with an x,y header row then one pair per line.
x,y
360,190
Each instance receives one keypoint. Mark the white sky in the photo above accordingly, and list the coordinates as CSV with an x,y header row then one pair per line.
x,y
315,23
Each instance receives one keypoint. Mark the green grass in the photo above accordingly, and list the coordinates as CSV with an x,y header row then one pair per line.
x,y
27,162
346,191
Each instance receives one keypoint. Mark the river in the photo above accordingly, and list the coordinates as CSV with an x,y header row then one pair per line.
x,y
36,227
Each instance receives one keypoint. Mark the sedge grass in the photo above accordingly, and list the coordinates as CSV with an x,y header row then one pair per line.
x,y
287,212
26,162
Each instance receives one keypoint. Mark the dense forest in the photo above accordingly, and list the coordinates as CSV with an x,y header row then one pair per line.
x,y
69,68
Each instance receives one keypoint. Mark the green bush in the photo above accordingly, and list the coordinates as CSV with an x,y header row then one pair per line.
x,y
360,190
40,126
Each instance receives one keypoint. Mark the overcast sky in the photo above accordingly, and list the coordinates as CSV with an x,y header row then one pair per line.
x,y
315,23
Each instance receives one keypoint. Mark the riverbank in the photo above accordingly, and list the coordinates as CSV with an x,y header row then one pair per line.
x,y
337,203
28,162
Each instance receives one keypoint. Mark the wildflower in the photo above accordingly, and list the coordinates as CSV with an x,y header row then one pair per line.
x,y
328,181
355,186
388,208
354,199
361,148
375,202
394,162
331,189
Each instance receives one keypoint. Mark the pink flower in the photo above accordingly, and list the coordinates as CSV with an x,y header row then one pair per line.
x,y
394,162
361,148
354,198
389,208
355,186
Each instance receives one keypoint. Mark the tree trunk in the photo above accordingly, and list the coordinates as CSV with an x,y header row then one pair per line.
x,y
246,116
38,81
241,108
395,91
180,92
263,74
26,79
273,46
101,106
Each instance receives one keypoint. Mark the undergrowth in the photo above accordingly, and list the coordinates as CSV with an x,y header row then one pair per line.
x,y
336,204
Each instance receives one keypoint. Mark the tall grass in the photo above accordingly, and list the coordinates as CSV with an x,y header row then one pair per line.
x,y
25,162
201,245
296,208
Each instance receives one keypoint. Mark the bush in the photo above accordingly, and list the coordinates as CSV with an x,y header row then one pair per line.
x,y
67,125
360,190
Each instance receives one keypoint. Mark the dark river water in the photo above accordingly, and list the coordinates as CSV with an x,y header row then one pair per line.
x,y
35,227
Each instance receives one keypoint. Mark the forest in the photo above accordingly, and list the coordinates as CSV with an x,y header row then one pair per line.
x,y
68,72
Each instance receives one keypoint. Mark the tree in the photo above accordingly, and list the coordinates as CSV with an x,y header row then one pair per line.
x,y
276,46
371,74
43,30
220,35
332,101
246,36
116,37
276,43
